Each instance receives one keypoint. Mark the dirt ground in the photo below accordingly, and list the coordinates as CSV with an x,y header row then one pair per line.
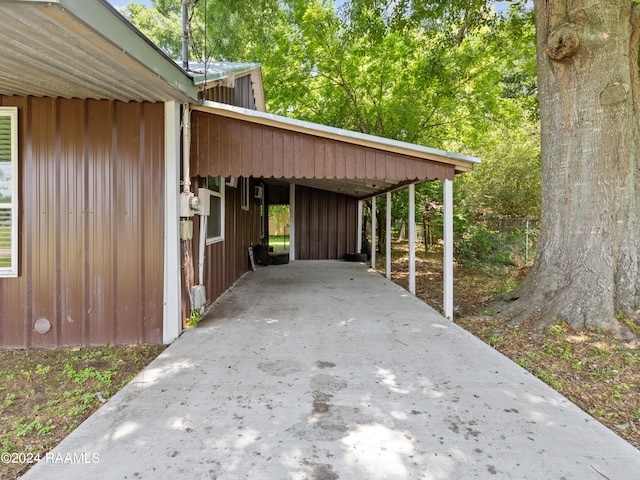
x,y
45,394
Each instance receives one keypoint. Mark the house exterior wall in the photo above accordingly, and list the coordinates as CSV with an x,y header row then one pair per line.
x,y
91,224
326,224
242,95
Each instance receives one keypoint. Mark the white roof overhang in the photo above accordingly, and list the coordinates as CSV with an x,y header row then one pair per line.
x,y
83,49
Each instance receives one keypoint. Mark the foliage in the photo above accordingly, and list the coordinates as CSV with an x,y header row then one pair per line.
x,y
456,75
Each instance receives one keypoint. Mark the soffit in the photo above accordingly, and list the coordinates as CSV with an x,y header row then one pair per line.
x,y
83,49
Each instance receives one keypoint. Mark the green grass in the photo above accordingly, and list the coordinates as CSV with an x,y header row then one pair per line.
x,y
279,241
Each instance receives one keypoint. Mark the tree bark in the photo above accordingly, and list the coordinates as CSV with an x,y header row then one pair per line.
x,y
587,267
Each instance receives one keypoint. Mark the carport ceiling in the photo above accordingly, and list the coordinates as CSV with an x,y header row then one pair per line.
x,y
354,188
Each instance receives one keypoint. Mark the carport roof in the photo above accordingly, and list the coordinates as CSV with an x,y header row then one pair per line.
x,y
234,141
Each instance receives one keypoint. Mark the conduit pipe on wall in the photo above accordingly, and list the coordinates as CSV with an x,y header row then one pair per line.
x,y
186,147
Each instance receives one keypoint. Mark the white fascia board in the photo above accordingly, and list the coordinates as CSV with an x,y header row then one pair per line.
x,y
388,144
107,22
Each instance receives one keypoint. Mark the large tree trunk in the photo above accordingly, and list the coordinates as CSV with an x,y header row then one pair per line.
x,y
587,267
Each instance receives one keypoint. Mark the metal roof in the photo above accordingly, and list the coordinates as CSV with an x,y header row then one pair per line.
x,y
83,49
214,71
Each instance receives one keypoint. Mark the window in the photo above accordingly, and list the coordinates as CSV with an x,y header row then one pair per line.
x,y
244,191
8,192
215,221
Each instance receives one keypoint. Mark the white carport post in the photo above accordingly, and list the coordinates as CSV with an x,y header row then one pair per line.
x,y
374,221
412,238
171,311
388,237
292,221
448,249
359,239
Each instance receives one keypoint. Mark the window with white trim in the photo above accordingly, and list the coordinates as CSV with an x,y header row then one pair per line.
x,y
215,221
246,195
8,192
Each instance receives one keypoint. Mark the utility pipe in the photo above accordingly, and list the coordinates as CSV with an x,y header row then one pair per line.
x,y
185,34
186,147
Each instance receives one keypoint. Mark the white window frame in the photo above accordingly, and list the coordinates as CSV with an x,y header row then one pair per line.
x,y
245,203
11,271
220,195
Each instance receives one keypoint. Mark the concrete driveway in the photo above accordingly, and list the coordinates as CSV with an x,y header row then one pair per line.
x,y
326,371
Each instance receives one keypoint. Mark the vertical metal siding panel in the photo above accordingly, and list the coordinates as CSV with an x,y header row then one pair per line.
x,y
278,154
258,157
41,245
101,227
309,156
301,219
341,161
128,221
381,163
15,316
71,242
152,200
370,161
361,163
199,139
342,227
288,152
410,170
246,150
320,157
330,159
401,168
314,224
299,157
222,154
334,229
235,153
267,153
350,161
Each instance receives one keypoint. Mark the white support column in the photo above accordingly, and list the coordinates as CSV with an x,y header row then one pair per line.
x,y
171,314
374,221
388,237
412,238
448,249
292,221
359,240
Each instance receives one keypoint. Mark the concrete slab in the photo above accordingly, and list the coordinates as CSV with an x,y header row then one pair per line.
x,y
326,371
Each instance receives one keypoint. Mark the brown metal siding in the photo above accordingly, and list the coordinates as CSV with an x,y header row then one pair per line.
x,y
227,146
225,262
91,224
325,224
240,96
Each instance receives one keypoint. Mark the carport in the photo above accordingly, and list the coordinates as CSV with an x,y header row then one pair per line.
x,y
324,371
236,142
